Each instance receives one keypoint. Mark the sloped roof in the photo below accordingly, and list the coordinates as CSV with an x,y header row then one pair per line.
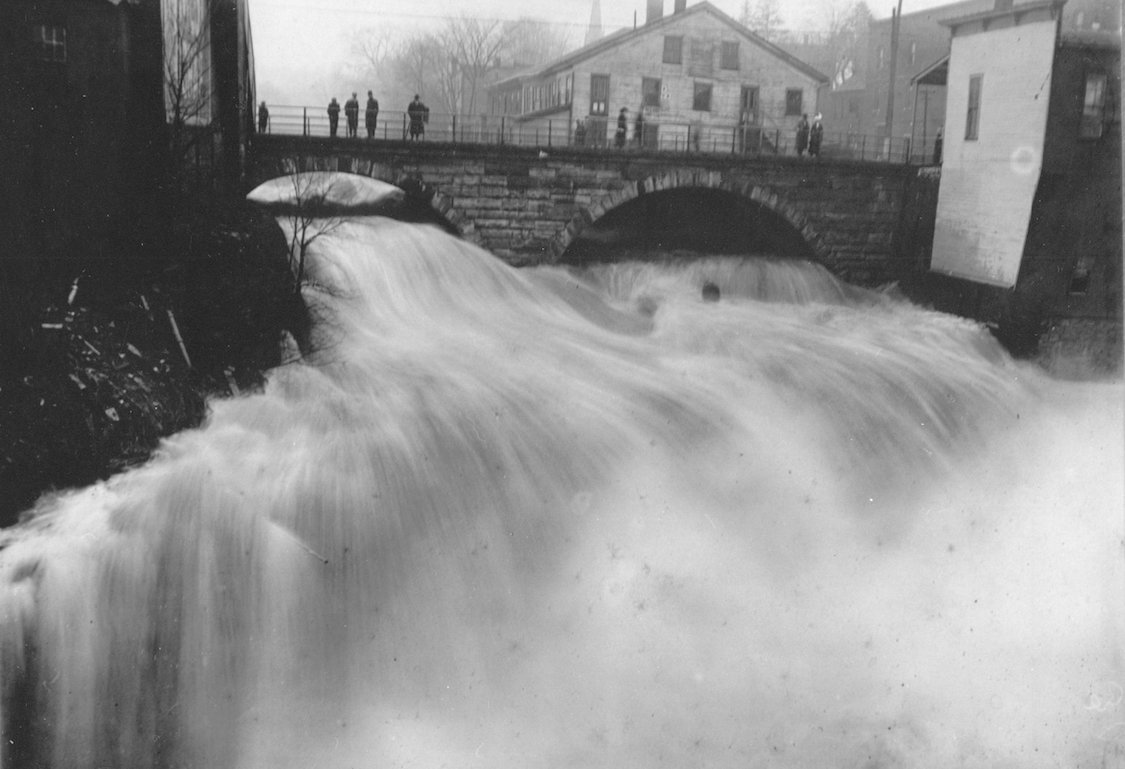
x,y
935,74
624,35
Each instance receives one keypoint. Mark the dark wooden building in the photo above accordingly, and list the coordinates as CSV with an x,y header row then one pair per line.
x,y
85,119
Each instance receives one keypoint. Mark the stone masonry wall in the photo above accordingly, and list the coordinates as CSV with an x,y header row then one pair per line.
x,y
526,206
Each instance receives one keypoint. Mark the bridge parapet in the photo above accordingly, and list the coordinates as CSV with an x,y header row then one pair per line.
x,y
528,205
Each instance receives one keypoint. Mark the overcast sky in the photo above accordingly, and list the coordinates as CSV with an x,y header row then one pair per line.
x,y
295,38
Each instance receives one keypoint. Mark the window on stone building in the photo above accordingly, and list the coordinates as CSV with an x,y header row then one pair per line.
x,y
972,115
650,91
729,55
1093,106
794,101
701,98
599,94
51,42
673,50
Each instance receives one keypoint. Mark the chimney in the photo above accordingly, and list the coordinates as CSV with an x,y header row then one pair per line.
x,y
679,5
655,11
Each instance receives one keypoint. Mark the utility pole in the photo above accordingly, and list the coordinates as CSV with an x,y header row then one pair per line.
x,y
896,16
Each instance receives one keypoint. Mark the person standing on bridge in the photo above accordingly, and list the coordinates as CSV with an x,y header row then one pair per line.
x,y
639,128
622,127
371,115
816,135
351,109
419,114
802,134
333,116
263,118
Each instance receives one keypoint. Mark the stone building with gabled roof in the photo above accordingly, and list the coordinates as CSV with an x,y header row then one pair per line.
x,y
698,77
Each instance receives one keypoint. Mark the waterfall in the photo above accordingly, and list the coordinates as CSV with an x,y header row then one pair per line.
x,y
557,518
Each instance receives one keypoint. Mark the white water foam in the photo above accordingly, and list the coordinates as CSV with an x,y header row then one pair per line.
x,y
532,518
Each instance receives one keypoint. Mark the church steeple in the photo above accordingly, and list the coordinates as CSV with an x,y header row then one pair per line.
x,y
594,31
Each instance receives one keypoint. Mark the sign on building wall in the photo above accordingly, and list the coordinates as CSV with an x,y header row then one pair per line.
x,y
996,119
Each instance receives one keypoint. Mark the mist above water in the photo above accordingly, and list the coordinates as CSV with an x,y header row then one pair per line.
x,y
509,518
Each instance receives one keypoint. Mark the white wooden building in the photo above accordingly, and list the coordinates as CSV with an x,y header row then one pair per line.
x,y
697,75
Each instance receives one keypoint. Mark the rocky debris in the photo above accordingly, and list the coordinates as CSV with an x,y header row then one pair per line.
x,y
121,362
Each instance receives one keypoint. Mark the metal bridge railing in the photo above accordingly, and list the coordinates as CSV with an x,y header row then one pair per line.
x,y
664,136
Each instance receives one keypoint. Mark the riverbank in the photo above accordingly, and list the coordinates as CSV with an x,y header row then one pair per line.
x,y
125,351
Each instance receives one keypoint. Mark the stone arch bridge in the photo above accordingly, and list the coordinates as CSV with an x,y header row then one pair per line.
x,y
865,221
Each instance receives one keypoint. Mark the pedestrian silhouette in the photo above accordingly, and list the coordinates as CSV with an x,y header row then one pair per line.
x,y
938,141
580,134
639,127
802,134
371,115
333,116
351,109
419,115
622,127
263,118
816,135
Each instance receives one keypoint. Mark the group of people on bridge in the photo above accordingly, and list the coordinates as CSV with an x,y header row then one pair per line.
x,y
809,137
417,112
620,136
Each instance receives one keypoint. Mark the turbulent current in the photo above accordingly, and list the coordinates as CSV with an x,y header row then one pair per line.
x,y
541,518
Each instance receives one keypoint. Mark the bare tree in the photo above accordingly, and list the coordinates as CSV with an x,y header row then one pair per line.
x,y
187,75
471,48
531,42
846,23
310,216
764,17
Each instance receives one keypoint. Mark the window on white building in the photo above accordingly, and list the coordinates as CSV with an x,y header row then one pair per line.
x,y
701,98
673,50
729,55
51,42
650,91
1093,106
794,101
599,94
972,115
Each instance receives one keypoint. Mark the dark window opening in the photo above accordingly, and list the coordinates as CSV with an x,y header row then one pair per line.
x,y
51,43
1093,106
673,50
794,101
729,56
599,94
701,98
650,92
972,116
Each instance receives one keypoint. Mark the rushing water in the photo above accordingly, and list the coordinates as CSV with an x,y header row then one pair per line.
x,y
510,518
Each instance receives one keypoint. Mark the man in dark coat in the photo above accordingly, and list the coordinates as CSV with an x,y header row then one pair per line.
x,y
816,135
371,115
419,114
263,118
333,116
351,109
622,127
802,134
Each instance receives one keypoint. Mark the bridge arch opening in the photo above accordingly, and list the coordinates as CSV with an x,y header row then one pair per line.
x,y
686,221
